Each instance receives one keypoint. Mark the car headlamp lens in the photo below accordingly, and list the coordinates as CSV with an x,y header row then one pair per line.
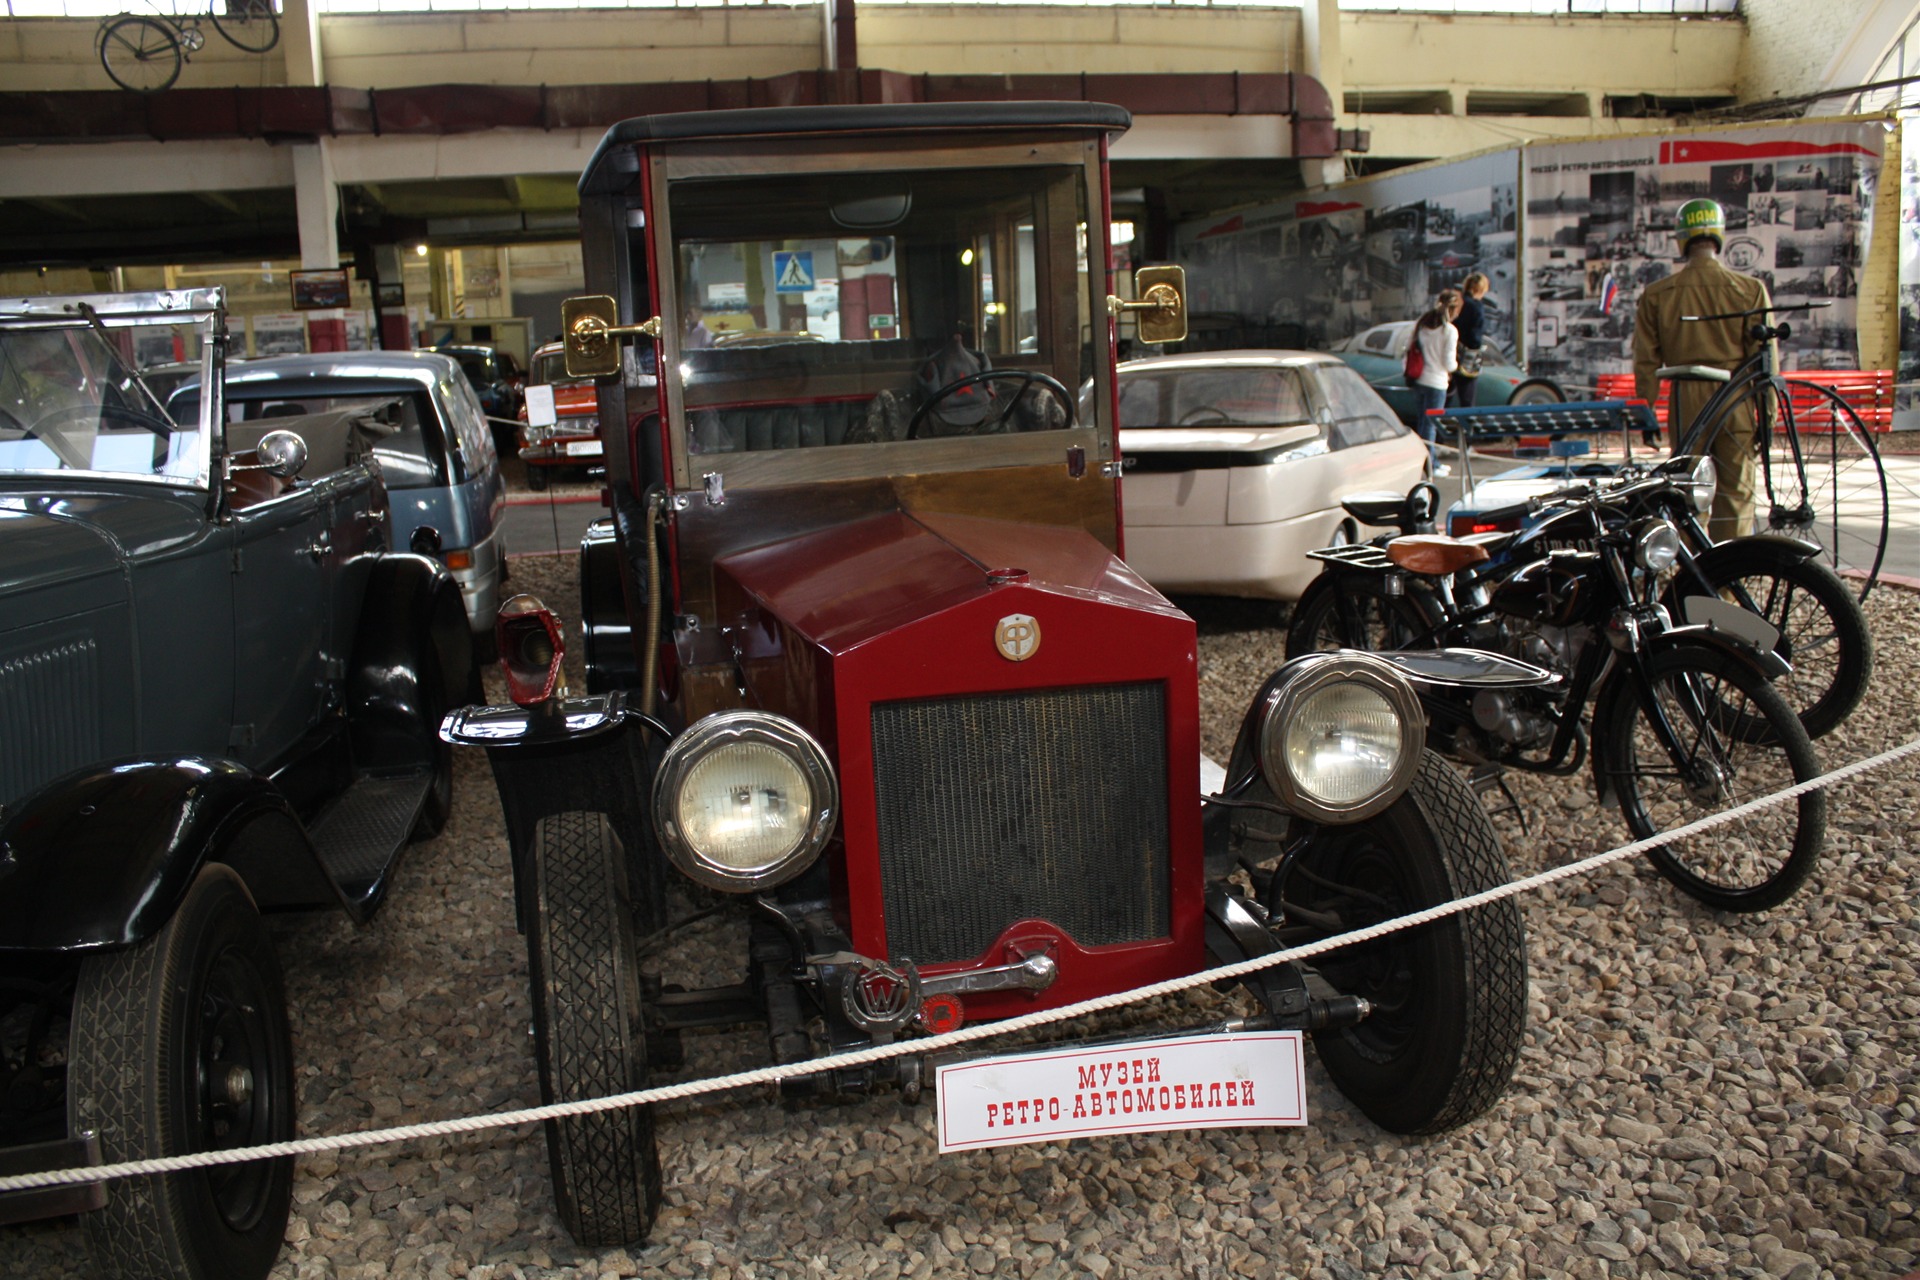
x,y
1656,545
1341,736
744,801
1342,743
741,806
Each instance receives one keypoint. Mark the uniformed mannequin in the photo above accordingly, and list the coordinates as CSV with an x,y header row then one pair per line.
x,y
1703,287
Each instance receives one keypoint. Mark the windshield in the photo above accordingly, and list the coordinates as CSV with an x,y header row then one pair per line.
x,y
551,366
69,401
1212,397
875,308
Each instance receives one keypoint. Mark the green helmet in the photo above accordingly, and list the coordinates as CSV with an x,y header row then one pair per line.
x,y
1700,218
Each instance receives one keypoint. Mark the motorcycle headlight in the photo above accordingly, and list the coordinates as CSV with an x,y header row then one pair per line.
x,y
1656,544
1701,482
1340,736
744,801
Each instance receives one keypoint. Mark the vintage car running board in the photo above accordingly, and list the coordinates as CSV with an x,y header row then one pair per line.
x,y
359,838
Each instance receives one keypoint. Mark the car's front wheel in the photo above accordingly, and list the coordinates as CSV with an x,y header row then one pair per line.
x,y
1536,393
587,1022
180,1044
1449,999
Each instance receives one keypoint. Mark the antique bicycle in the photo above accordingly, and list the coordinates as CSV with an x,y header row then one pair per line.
x,y
145,52
1820,470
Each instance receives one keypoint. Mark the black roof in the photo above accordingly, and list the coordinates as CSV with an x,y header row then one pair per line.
x,y
613,162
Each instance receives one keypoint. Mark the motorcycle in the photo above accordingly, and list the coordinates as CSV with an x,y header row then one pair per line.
x,y
1684,717
1823,633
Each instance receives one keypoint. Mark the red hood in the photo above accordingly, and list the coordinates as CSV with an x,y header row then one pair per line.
x,y
571,399
847,585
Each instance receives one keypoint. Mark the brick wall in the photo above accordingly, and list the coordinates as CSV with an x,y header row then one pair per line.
x,y
1790,43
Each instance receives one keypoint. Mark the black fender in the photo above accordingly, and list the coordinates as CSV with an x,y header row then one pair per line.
x,y
103,856
1619,682
1792,549
412,661
609,655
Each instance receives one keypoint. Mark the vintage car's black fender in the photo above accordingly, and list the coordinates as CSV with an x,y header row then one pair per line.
x,y
609,653
412,660
102,857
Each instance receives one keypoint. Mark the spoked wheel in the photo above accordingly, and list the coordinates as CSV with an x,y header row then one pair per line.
x,y
1449,998
1823,632
141,54
587,1011
180,1044
1352,610
1706,755
249,25
1821,479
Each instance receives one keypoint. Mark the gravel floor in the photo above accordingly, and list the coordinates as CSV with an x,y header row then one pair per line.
x,y
1699,1094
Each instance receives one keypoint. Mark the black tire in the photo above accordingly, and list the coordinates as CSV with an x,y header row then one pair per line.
x,y
1350,609
249,25
588,1035
141,54
1823,630
1449,998
159,1030
1714,701
536,478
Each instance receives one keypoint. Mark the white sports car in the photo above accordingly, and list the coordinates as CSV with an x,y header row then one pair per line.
x,y
1236,461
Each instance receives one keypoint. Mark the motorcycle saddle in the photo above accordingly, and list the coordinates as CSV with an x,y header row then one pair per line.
x,y
1434,553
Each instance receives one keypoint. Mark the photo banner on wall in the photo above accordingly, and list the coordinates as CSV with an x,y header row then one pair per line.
x,y
1312,271
1907,398
1599,229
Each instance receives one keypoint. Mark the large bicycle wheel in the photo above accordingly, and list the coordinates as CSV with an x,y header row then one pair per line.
x,y
141,54
1350,609
1822,479
251,25
1823,631
1698,761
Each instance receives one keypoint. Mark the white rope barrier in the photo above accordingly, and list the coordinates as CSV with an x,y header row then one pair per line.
x,y
934,1044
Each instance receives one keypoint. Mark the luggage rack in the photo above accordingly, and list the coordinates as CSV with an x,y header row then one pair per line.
x,y
1357,555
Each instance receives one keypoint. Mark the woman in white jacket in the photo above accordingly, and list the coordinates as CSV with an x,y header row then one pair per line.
x,y
1439,346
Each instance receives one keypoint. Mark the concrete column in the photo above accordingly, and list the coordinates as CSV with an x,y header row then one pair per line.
x,y
1322,59
317,201
300,38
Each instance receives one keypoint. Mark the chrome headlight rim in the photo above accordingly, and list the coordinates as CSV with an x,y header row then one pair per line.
x,y
1304,678
1656,544
1702,482
726,728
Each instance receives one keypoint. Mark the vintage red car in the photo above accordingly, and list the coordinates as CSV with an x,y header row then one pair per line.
x,y
568,436
865,660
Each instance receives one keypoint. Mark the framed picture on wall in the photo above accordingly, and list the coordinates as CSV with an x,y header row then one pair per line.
x,y
390,295
320,290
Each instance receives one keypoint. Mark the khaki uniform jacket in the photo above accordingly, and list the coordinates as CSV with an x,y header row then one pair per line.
x,y
1704,287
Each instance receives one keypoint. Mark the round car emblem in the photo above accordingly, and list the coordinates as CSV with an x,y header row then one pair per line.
x,y
1017,637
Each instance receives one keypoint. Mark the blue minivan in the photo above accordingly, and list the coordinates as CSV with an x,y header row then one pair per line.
x,y
443,476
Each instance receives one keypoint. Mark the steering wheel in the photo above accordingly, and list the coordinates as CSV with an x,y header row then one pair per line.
x,y
988,426
1204,416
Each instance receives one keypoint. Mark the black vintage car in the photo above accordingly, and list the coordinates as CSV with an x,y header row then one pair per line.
x,y
218,691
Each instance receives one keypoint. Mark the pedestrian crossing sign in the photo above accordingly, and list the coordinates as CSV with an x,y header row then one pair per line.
x,y
793,272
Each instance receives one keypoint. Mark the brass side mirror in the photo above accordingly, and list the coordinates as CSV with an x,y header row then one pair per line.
x,y
282,453
593,331
1161,312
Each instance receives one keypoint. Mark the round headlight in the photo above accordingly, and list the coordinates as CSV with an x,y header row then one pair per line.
x,y
1656,545
744,801
1341,736
1701,482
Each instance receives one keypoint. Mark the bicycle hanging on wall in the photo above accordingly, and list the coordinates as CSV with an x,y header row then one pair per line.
x,y
145,52
1821,474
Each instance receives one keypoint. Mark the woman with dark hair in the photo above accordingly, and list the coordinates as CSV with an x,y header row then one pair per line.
x,y
1438,344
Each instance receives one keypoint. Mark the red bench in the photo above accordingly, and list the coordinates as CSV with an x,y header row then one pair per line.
x,y
1868,392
